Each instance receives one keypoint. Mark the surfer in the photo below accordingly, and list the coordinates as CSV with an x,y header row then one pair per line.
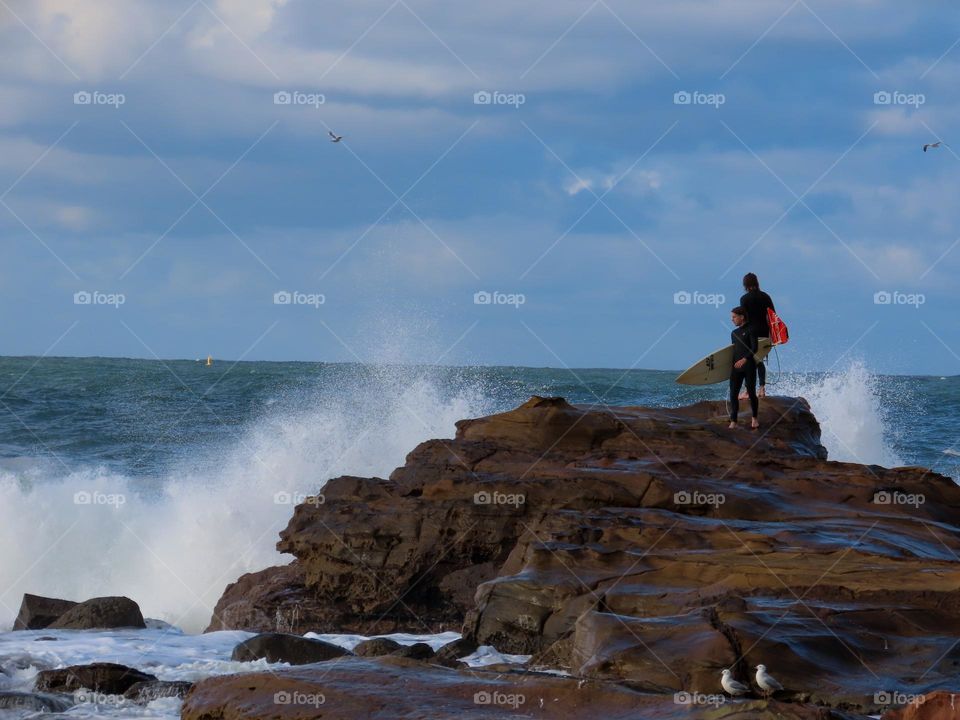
x,y
744,341
756,302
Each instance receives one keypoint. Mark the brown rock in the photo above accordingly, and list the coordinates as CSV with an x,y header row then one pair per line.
x,y
375,647
106,678
281,647
939,705
38,612
102,612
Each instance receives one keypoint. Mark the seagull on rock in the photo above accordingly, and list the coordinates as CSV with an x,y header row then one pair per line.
x,y
337,138
733,687
766,681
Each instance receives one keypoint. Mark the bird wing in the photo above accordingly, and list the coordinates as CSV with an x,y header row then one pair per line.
x,y
330,133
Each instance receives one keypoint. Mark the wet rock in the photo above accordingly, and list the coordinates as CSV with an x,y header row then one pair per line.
x,y
451,653
106,678
150,690
283,648
100,613
374,647
417,651
37,702
37,612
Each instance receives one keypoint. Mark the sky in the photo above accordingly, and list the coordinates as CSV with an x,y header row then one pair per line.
x,y
547,183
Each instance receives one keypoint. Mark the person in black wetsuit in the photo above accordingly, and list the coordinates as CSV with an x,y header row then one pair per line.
x,y
744,366
756,302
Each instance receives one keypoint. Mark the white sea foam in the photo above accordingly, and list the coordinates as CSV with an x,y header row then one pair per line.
x,y
173,543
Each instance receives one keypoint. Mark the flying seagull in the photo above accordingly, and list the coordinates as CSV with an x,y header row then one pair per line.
x,y
935,145
338,138
767,681
733,687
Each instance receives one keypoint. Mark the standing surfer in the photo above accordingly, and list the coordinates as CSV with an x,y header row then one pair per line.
x,y
744,369
756,302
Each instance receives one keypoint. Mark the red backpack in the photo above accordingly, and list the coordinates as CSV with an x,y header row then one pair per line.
x,y
778,328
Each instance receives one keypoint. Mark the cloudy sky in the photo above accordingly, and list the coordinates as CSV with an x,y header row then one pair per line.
x,y
603,172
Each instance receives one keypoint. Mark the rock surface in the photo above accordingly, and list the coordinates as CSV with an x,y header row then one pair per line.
x,y
106,678
150,690
648,547
387,688
281,647
37,702
37,612
375,647
102,612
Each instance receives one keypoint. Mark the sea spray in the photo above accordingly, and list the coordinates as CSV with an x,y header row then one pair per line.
x,y
173,543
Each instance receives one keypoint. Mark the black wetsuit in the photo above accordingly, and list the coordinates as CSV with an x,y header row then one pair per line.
x,y
744,347
756,303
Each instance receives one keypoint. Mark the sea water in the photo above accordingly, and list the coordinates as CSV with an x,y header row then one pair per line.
x,y
166,481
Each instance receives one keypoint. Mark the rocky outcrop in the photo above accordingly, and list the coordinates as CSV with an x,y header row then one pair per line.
x,y
37,612
106,678
99,613
387,688
284,648
649,547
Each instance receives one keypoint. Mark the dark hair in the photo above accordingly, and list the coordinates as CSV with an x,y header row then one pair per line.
x,y
750,282
738,310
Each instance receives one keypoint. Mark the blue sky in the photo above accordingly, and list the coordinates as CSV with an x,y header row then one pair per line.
x,y
595,201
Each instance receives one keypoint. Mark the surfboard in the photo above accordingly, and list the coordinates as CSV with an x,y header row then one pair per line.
x,y
716,366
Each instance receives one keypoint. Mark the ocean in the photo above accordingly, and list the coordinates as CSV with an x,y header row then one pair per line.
x,y
165,481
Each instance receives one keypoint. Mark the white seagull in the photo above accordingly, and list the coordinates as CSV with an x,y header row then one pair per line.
x,y
333,137
733,687
935,145
767,681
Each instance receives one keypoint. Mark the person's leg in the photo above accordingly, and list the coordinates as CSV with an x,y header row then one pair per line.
x,y
736,380
762,376
751,380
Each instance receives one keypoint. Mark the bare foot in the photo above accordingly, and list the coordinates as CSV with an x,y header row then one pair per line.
x,y
754,425
732,425
762,392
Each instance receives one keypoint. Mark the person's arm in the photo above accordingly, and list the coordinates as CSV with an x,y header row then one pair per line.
x,y
770,303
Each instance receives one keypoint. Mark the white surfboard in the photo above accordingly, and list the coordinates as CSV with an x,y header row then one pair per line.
x,y
716,366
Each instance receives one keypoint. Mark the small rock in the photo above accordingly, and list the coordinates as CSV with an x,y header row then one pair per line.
x,y
281,647
374,647
103,612
45,638
417,651
38,612
106,678
450,654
